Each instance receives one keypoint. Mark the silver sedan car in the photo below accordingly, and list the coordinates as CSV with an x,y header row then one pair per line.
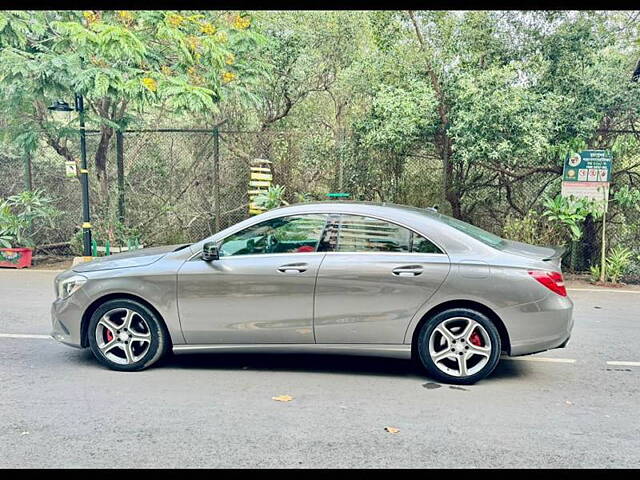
x,y
331,277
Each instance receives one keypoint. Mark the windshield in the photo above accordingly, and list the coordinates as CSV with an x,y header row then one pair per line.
x,y
485,237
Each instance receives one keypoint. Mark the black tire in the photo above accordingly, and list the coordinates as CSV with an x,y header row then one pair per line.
x,y
159,337
428,327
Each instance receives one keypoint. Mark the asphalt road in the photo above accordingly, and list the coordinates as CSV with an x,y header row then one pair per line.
x,y
60,408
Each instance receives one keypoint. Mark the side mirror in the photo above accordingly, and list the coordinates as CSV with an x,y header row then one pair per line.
x,y
210,252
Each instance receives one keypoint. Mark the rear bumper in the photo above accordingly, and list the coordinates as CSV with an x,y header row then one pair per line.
x,y
539,326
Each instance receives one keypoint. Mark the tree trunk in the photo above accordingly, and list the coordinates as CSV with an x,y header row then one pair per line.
x,y
101,164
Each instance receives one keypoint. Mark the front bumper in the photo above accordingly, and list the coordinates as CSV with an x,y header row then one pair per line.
x,y
66,320
538,326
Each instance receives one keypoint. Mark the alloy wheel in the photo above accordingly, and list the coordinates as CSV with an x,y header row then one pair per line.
x,y
460,347
123,336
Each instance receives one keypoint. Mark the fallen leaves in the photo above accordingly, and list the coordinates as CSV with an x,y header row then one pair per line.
x,y
392,429
282,398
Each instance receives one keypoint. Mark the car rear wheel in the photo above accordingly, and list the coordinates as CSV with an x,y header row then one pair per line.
x,y
459,346
125,335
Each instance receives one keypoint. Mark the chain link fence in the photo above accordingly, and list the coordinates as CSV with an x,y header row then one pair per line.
x,y
166,186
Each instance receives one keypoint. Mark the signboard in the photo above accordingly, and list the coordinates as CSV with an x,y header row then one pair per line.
x,y
71,169
587,166
587,175
597,191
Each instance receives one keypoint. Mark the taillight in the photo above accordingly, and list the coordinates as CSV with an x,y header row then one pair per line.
x,y
552,280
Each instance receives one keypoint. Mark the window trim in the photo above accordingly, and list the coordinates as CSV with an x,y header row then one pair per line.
x,y
329,216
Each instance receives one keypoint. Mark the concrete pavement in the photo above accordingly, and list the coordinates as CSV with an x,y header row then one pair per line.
x,y
60,408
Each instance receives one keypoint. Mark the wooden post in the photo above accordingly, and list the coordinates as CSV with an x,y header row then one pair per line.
x,y
603,260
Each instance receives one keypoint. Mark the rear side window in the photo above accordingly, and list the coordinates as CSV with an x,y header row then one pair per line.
x,y
356,233
422,245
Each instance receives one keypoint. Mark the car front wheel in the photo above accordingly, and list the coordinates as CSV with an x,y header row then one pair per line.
x,y
459,346
126,335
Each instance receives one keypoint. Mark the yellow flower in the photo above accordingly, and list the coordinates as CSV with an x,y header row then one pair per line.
x,y
150,83
193,42
241,23
222,37
175,20
166,70
228,77
90,16
230,59
207,28
126,16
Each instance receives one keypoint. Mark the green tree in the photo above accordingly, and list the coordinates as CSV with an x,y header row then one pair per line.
x,y
125,63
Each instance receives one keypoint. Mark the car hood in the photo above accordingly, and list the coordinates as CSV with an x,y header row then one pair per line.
x,y
136,258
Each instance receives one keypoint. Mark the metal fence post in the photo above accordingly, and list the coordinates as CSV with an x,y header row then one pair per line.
x,y
216,176
120,173
86,219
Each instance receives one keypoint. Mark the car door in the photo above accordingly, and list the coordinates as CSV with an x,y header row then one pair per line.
x,y
373,282
261,288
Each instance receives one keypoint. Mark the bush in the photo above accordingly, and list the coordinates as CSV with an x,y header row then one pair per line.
x,y
22,216
617,262
533,228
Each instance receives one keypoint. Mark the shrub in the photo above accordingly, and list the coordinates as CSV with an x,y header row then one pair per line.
x,y
21,217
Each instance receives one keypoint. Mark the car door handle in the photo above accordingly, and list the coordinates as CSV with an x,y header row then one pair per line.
x,y
293,268
407,271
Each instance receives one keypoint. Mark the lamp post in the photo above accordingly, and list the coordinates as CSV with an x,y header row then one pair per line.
x,y
62,106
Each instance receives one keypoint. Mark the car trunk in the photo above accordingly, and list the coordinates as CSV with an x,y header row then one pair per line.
x,y
552,255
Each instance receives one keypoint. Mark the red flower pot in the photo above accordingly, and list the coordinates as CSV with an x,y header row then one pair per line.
x,y
15,257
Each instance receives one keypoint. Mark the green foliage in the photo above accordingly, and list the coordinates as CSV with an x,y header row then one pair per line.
x,y
470,110
113,231
533,229
568,213
21,215
124,63
627,198
272,198
594,271
400,116
618,262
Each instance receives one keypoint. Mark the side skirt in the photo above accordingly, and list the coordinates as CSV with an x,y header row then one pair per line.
x,y
378,350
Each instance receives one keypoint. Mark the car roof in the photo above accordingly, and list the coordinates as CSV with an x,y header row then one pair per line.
x,y
358,207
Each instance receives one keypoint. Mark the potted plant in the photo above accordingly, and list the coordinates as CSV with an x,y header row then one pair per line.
x,y
20,217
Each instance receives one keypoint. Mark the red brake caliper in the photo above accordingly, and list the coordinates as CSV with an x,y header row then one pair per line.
x,y
109,335
476,339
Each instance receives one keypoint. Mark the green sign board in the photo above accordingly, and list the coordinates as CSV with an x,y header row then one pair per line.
x,y
587,166
338,195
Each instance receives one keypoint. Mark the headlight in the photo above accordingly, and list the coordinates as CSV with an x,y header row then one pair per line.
x,y
68,286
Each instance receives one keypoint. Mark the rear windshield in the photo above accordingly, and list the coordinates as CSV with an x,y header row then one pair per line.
x,y
485,237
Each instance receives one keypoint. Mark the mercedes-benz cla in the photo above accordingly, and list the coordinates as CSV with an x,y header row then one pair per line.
x,y
331,277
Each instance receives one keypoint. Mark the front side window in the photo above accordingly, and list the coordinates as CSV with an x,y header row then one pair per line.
x,y
292,234
358,233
